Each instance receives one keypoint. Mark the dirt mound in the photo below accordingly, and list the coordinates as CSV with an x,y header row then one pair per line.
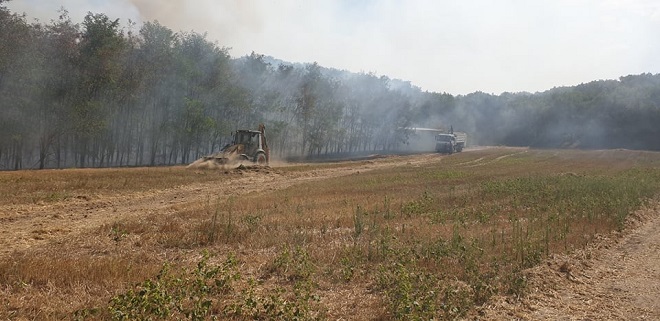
x,y
205,164
238,168
254,168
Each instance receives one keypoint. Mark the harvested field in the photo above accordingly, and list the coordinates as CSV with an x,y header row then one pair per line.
x,y
477,234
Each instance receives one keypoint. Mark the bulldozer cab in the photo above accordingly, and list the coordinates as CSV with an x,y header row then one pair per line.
x,y
249,139
246,145
243,137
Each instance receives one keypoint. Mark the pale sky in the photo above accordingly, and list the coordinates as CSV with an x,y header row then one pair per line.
x,y
456,47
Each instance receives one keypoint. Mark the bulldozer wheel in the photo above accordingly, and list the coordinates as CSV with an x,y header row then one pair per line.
x,y
261,159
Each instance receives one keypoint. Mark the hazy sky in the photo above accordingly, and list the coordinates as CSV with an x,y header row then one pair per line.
x,y
457,46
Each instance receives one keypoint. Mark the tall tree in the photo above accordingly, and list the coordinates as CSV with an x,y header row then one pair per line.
x,y
101,45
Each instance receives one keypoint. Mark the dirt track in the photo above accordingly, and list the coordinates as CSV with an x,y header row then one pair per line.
x,y
618,278
22,227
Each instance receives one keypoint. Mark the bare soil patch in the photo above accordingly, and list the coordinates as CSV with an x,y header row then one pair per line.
x,y
615,278
27,225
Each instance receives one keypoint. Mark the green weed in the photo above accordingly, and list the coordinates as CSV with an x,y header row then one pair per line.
x,y
189,294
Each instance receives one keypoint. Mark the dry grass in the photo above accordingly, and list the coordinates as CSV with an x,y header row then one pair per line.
x,y
28,187
401,243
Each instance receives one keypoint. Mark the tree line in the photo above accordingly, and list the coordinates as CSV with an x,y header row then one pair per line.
x,y
96,94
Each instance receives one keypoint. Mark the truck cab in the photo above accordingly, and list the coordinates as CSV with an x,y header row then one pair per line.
x,y
445,143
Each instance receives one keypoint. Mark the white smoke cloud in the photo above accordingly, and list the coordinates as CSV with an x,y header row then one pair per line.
x,y
451,46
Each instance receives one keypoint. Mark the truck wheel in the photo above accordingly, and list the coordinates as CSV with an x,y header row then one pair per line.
x,y
261,159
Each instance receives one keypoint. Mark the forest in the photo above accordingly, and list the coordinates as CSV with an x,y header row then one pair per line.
x,y
100,94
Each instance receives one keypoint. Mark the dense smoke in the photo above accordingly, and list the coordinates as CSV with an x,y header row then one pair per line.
x,y
452,46
93,94
225,21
